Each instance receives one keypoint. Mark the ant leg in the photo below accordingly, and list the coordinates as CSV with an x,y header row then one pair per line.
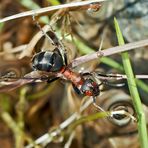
x,y
52,80
104,78
97,106
40,28
87,74
53,39
112,84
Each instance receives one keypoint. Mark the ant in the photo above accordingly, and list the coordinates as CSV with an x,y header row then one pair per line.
x,y
55,62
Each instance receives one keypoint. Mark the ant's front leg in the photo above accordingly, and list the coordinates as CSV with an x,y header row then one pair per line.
x,y
52,79
97,106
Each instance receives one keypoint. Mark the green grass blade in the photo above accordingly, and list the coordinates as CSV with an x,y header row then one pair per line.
x,y
88,118
29,4
133,91
55,2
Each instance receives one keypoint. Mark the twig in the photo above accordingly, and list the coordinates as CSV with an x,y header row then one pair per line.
x,y
47,138
109,51
116,76
14,50
71,6
71,137
136,76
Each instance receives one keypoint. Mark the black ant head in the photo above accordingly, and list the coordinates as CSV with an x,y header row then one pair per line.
x,y
47,61
90,88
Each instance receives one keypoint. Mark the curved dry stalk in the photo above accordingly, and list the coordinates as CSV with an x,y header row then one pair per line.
x,y
74,6
123,112
30,47
20,48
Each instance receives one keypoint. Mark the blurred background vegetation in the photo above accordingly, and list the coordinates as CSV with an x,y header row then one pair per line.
x,y
32,110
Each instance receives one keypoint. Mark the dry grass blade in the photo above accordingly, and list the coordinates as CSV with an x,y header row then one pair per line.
x,y
109,51
30,47
28,78
71,7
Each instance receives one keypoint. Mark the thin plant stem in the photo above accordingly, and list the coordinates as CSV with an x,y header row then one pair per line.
x,y
54,3
89,118
41,11
106,52
42,92
5,116
133,91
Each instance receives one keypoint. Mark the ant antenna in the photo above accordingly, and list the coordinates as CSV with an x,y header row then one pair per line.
x,y
39,26
108,77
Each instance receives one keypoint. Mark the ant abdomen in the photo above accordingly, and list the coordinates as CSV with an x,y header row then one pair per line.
x,y
47,61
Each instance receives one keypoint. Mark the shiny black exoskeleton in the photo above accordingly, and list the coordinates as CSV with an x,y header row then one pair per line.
x,y
48,61
56,61
88,88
